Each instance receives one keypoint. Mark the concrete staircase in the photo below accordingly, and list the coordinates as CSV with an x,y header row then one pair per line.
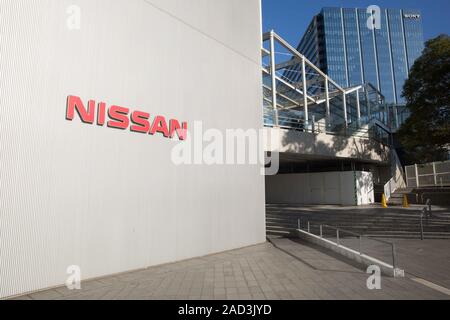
x,y
398,196
394,222
438,196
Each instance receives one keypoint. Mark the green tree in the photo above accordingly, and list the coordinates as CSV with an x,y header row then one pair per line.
x,y
425,136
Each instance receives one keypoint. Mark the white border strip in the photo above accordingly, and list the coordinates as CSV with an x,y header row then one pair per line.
x,y
432,285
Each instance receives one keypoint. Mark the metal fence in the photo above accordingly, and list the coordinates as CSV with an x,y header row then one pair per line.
x,y
292,82
290,119
436,174
377,248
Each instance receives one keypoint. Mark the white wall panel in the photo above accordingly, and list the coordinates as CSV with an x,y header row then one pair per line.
x,y
327,188
110,200
332,188
365,188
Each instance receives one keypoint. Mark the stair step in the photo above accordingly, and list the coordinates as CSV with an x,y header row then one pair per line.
x,y
397,223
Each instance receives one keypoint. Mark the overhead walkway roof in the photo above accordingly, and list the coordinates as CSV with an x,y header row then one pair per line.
x,y
315,115
287,74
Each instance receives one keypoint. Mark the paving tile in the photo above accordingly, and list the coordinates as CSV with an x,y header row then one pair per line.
x,y
45,295
259,273
258,296
219,291
22,298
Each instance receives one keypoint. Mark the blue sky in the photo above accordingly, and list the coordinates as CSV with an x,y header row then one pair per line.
x,y
290,18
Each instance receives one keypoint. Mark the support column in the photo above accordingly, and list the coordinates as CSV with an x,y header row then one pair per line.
x,y
305,91
369,111
327,98
274,80
388,116
435,174
417,175
344,102
397,122
358,108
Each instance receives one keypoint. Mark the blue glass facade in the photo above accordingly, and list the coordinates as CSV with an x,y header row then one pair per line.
x,y
398,45
368,58
335,45
340,42
384,59
353,48
414,40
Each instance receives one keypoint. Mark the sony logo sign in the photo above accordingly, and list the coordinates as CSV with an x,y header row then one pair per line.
x,y
412,16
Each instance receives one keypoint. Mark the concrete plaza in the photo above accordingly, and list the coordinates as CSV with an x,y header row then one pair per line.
x,y
292,270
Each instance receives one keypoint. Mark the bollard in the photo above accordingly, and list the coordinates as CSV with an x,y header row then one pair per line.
x,y
384,201
405,201
394,262
309,227
321,231
424,211
360,245
337,237
430,214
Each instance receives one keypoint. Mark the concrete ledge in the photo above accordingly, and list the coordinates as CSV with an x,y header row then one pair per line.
x,y
325,145
362,259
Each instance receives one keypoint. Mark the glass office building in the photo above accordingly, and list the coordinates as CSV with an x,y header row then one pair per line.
x,y
340,42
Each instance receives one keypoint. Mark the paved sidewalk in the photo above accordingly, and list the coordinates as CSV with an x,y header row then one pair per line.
x,y
428,259
258,272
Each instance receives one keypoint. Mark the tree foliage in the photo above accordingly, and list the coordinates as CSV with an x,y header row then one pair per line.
x,y
425,136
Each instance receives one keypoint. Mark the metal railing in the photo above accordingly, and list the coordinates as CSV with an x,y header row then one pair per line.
x,y
426,213
342,236
398,180
436,174
289,119
292,82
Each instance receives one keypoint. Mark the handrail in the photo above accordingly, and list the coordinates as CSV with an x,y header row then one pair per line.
x,y
426,211
397,181
297,123
357,234
360,236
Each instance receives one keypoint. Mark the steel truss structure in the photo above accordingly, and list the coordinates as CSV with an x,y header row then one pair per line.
x,y
298,95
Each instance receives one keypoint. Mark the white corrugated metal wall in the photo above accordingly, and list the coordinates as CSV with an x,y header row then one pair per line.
x,y
109,200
